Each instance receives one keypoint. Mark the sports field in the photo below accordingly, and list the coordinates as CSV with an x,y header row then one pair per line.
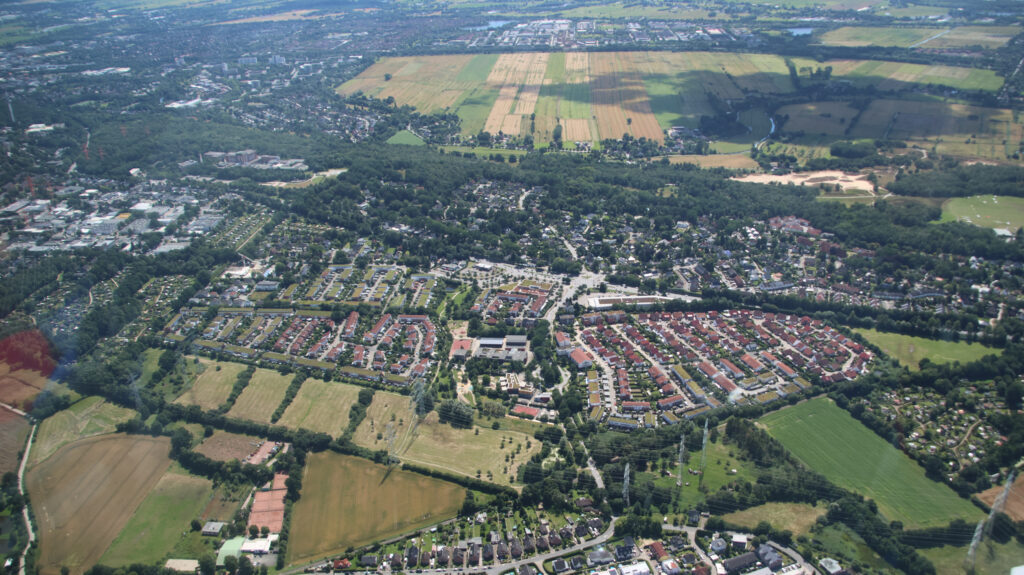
x,y
796,517
996,212
830,441
406,138
321,406
387,503
90,416
13,433
213,386
261,397
909,350
72,494
158,523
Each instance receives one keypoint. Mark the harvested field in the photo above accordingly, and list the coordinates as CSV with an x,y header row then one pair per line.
x,y
20,387
387,407
389,503
887,76
262,396
13,433
817,118
1014,506
226,446
728,161
518,78
25,366
213,386
321,406
619,98
90,416
160,520
575,130
830,177
72,493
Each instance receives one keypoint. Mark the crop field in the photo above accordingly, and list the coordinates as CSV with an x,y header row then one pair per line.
x,y
988,37
225,446
817,118
90,416
728,161
901,76
619,98
830,441
262,396
13,433
997,212
213,386
72,494
18,387
321,406
954,129
1014,506
856,36
158,523
388,502
910,350
796,517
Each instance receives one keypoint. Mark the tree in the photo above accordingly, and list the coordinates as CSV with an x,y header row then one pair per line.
x,y
196,525
207,564
230,563
254,531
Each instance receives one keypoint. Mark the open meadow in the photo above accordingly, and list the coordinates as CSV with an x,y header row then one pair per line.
x,y
72,494
321,406
990,557
857,36
158,523
13,433
387,501
996,212
830,441
262,396
225,446
910,350
796,517
722,469
88,417
213,386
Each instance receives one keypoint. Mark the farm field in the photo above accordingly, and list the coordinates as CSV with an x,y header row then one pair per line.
x,y
830,441
160,520
996,212
90,416
14,431
1014,506
72,493
262,396
796,517
606,94
390,503
817,118
321,406
988,37
856,36
946,128
25,366
18,387
909,350
225,446
213,386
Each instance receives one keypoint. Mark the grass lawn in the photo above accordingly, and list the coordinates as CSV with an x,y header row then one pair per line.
x,y
159,522
830,441
717,474
407,138
796,517
262,396
387,503
910,350
880,36
839,540
991,557
997,212
90,416
321,406
213,386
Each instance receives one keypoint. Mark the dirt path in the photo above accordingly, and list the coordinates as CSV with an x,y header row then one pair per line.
x,y
21,490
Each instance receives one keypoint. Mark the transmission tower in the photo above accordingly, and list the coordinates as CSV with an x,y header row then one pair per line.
x,y
682,457
972,551
625,485
390,435
997,505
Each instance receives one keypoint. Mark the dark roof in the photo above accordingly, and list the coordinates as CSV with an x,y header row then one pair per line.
x,y
739,562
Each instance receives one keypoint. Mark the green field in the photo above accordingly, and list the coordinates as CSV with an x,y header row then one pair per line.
x,y
840,541
830,441
386,503
881,36
159,522
996,212
718,473
213,386
991,557
796,517
910,350
321,406
406,138
262,396
90,416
